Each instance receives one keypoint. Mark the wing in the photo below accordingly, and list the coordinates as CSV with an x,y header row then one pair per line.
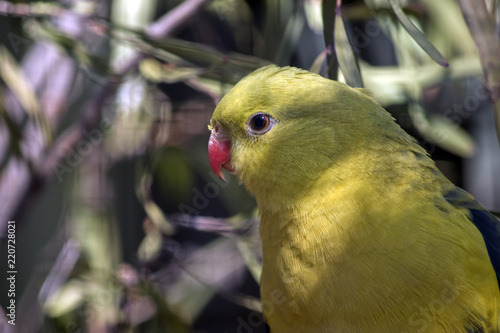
x,y
487,224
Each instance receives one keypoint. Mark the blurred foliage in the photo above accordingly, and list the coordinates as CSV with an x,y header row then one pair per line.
x,y
139,235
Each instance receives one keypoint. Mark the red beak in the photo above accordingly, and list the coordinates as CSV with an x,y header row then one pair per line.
x,y
219,152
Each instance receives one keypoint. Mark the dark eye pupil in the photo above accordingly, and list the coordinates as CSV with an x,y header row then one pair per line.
x,y
260,122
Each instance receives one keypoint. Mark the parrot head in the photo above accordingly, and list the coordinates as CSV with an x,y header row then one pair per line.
x,y
279,129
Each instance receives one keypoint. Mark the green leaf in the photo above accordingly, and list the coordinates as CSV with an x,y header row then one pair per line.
x,y
69,297
158,218
154,213
496,117
328,12
15,135
232,66
417,35
207,270
155,71
151,244
345,54
442,132
293,30
251,256
320,59
14,78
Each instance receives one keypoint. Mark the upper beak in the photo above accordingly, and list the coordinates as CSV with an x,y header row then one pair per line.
x,y
219,152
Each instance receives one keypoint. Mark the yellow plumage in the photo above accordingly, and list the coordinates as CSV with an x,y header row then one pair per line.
x,y
360,231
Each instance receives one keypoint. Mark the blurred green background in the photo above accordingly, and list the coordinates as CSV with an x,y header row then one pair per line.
x,y
120,224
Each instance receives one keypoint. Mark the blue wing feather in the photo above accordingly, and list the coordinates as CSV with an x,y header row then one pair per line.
x,y
487,224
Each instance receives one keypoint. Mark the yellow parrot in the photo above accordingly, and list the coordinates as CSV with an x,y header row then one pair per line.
x,y
360,231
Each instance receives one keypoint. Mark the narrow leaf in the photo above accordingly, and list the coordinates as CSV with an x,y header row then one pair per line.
x,y
345,54
68,298
157,72
442,132
417,35
288,44
251,257
151,244
156,215
320,59
328,12
235,65
14,78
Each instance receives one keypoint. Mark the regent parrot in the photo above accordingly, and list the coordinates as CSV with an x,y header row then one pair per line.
x,y
360,231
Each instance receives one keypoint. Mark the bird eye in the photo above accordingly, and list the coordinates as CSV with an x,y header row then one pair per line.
x,y
260,123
